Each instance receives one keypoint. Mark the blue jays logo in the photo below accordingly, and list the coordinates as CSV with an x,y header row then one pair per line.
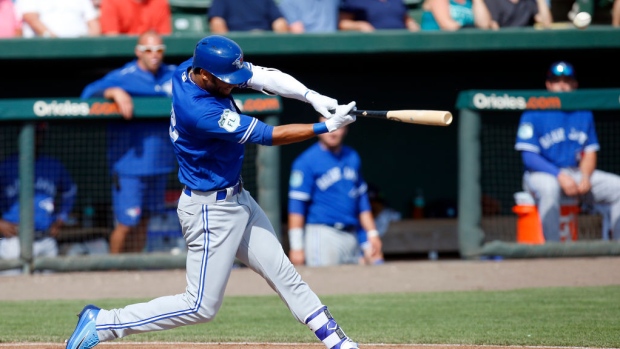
x,y
238,62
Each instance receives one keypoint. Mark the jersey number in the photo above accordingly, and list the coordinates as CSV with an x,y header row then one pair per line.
x,y
174,134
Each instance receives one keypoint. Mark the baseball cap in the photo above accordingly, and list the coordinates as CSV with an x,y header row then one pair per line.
x,y
559,69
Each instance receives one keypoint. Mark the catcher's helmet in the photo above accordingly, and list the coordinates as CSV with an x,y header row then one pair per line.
x,y
223,58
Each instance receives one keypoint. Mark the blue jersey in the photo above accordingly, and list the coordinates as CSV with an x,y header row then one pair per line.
x,y
54,191
208,134
330,186
558,136
137,148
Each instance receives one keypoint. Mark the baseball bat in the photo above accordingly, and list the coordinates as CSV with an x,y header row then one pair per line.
x,y
422,117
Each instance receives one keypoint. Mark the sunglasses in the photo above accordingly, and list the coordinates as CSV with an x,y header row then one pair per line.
x,y
151,48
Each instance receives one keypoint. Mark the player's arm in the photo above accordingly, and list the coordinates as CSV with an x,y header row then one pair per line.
x,y
587,165
293,133
273,81
123,101
367,222
296,224
346,21
544,14
441,11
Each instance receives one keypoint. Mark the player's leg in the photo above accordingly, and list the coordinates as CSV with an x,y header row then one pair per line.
x,y
10,249
261,251
606,190
127,205
206,228
547,192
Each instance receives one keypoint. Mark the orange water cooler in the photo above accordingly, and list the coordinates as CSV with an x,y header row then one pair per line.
x,y
529,226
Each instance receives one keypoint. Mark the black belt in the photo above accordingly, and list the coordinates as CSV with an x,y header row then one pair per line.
x,y
350,228
222,193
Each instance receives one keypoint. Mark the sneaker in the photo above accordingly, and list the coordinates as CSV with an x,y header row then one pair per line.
x,y
347,344
85,334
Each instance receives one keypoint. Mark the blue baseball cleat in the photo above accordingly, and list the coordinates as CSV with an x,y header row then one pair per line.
x,y
85,334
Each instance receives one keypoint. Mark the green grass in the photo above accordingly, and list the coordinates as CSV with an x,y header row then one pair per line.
x,y
585,317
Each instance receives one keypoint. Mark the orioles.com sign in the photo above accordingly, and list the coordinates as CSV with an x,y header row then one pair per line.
x,y
508,102
68,108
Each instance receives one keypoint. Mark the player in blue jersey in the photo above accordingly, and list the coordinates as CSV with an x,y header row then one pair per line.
x,y
139,152
54,196
328,200
220,220
559,153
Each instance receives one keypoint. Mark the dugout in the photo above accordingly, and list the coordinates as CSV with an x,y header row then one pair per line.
x,y
78,136
490,169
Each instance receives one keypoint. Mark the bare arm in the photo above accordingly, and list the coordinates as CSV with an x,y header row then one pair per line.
x,y
280,25
615,14
292,133
482,16
544,14
411,24
33,20
94,27
217,25
347,22
441,12
123,101
587,165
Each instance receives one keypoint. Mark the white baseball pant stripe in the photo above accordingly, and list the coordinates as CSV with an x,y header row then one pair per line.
x,y
215,233
548,194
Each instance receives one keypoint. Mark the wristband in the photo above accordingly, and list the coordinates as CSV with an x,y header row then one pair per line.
x,y
319,128
296,238
372,233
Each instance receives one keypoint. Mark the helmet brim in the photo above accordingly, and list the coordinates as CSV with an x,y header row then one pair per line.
x,y
238,77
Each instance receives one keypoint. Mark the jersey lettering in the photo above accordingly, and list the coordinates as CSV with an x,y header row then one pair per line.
x,y
330,177
553,137
577,136
174,134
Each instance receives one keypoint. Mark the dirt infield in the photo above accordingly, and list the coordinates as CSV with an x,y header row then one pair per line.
x,y
417,276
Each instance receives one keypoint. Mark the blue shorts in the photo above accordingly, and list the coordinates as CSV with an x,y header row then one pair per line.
x,y
134,196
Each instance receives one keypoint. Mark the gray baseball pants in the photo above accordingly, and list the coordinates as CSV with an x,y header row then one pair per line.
x,y
548,194
216,232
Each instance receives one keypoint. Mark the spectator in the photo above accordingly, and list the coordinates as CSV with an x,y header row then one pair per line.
x,y
519,13
453,15
58,18
140,153
368,15
558,149
615,14
10,23
135,17
311,16
381,211
243,15
220,219
54,196
327,203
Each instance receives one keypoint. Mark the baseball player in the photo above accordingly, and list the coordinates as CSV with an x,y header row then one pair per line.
x,y
54,196
327,202
219,218
558,149
139,152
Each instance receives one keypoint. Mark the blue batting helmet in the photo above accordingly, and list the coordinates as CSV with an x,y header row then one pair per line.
x,y
561,68
223,58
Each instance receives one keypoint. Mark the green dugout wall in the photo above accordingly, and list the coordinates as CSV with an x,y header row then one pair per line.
x,y
496,104
26,112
